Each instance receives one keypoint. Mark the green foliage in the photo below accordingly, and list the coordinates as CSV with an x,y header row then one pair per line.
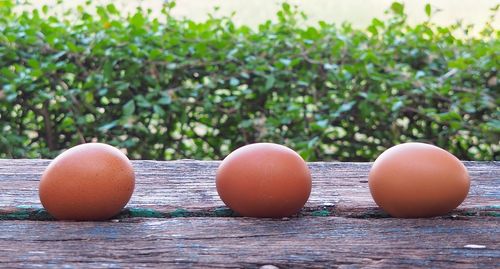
x,y
168,88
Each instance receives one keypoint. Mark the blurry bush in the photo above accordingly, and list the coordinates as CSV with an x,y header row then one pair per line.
x,y
169,88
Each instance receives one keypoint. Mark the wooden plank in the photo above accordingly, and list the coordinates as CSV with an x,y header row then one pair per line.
x,y
305,242
187,188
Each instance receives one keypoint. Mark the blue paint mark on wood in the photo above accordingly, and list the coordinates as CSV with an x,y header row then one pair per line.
x,y
320,213
142,213
25,212
224,212
180,213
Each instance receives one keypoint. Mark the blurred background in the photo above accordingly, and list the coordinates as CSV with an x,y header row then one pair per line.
x,y
202,78
358,12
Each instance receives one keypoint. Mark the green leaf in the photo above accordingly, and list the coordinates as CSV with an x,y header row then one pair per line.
x,y
155,54
346,107
269,82
137,20
397,8
122,86
245,123
165,100
107,70
102,92
101,11
106,127
372,29
397,105
89,97
286,7
142,101
449,116
34,63
494,125
234,82
306,153
158,110
322,123
129,108
112,9
71,46
11,97
285,62
428,10
67,122
312,143
377,23
455,125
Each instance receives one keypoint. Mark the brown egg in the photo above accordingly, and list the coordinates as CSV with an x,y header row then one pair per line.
x,y
88,182
415,180
264,180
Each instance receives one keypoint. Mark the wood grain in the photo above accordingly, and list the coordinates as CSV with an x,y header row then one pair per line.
x,y
175,219
187,188
306,242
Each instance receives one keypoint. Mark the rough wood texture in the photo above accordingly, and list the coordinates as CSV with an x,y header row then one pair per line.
x,y
187,188
175,219
307,242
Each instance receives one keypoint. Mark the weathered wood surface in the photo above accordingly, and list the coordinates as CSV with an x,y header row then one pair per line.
x,y
187,188
306,242
175,219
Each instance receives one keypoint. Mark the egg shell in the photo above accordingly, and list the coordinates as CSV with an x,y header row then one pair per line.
x,y
91,181
413,180
264,180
